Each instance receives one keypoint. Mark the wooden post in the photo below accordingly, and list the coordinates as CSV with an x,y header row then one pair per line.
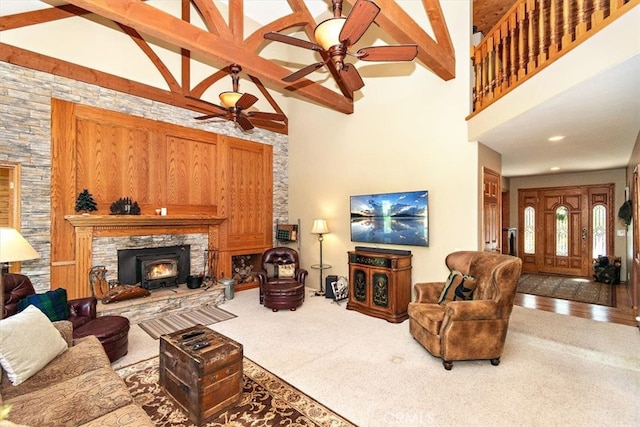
x,y
581,26
542,34
554,43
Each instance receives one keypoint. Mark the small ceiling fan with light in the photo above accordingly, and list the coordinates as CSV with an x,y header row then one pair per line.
x,y
235,104
336,35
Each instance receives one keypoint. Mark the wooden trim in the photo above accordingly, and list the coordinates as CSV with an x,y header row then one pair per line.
x,y
135,222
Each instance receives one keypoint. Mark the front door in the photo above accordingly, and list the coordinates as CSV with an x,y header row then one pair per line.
x,y
561,230
565,219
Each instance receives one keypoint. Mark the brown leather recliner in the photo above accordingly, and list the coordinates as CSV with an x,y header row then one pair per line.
x,y
278,292
112,331
467,329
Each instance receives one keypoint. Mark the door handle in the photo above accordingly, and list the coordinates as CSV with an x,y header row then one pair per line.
x,y
584,233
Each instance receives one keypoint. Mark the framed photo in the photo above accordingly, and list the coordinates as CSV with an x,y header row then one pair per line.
x,y
340,289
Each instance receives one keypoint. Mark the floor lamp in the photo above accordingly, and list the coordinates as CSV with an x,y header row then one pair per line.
x,y
13,248
320,228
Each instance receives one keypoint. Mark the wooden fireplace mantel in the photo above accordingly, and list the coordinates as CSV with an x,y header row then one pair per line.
x,y
87,227
121,225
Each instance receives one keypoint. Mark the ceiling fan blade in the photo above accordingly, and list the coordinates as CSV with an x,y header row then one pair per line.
x,y
400,52
210,116
303,72
291,40
361,17
246,101
244,123
351,77
267,116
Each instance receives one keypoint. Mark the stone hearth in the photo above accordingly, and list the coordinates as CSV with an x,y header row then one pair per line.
x,y
163,301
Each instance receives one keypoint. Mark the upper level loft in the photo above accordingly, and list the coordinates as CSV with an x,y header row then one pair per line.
x,y
544,53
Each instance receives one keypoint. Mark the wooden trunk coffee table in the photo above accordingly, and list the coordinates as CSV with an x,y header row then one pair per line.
x,y
202,371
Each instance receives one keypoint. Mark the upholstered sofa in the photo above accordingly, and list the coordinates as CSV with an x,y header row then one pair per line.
x,y
112,331
77,387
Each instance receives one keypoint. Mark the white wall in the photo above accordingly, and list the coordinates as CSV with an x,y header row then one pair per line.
x,y
407,133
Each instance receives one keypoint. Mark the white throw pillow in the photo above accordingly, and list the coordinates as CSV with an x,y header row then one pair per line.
x,y
28,341
286,270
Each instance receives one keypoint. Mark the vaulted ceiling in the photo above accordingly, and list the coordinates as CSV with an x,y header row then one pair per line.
x,y
223,42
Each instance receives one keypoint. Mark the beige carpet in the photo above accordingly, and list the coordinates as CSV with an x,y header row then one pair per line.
x,y
579,289
207,315
556,370
266,401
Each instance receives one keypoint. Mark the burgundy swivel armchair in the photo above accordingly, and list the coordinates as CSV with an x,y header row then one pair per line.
x,y
281,279
112,331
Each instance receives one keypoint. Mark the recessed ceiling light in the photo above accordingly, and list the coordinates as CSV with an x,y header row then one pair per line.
x,y
556,138
555,168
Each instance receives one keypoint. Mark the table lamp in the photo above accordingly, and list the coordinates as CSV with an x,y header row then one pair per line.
x,y
13,247
320,228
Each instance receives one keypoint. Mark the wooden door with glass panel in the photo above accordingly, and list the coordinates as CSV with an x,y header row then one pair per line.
x,y
562,229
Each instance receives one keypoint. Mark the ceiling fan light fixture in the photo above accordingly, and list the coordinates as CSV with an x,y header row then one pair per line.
x,y
327,33
230,98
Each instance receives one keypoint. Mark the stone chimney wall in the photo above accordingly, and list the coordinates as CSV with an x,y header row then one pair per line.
x,y
25,138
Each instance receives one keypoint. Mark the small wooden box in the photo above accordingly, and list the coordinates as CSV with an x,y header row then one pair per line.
x,y
203,382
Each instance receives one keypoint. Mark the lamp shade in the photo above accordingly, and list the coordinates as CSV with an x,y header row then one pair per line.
x,y
320,226
327,33
229,99
14,247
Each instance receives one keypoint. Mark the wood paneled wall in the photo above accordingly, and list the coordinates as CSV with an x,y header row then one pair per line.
x,y
188,171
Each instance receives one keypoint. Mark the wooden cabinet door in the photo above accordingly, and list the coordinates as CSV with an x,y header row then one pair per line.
x,y
247,201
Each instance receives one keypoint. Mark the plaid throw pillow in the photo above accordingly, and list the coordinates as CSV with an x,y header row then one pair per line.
x,y
51,303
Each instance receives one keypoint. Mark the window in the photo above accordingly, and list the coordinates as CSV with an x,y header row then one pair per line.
x,y
599,227
529,230
562,231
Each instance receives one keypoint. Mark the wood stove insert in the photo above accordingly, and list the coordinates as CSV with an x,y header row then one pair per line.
x,y
153,268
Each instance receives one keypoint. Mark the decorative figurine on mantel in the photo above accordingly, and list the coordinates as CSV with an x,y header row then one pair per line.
x,y
85,203
124,206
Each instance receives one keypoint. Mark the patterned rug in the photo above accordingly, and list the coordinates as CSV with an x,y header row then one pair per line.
x,y
207,315
266,401
579,289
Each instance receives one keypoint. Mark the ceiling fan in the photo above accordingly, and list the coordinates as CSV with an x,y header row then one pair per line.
x,y
336,35
235,103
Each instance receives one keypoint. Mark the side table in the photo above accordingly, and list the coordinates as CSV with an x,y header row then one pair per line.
x,y
321,267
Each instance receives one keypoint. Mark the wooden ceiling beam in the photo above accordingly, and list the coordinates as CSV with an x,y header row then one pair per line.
x,y
149,20
438,56
25,19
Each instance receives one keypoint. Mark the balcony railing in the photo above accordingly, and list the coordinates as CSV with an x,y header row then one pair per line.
x,y
532,35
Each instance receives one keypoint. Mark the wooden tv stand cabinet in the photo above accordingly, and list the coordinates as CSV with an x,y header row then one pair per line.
x,y
380,284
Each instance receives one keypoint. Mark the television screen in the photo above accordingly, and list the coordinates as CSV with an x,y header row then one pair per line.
x,y
393,218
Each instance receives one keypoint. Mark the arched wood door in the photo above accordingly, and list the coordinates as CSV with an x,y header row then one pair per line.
x,y
555,228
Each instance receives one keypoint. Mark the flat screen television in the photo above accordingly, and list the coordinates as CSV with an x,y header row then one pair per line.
x,y
391,218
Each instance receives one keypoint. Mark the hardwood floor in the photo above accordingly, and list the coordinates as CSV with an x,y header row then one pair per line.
x,y
622,314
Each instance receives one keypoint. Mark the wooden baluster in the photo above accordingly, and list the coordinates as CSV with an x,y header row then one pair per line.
x,y
531,38
513,58
554,44
491,70
542,34
598,13
504,65
522,58
477,65
567,24
485,73
581,26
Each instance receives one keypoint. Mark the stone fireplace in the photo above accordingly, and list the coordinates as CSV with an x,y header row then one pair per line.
x,y
155,267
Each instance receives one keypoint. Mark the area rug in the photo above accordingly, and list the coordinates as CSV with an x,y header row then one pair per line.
x,y
578,289
266,400
184,319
